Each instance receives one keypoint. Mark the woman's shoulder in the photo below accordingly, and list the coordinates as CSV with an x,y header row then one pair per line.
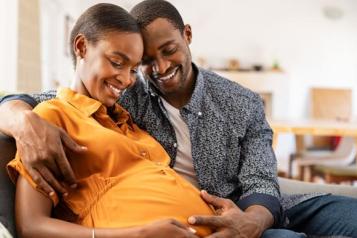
x,y
52,110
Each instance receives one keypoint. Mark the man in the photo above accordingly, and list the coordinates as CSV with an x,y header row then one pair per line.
x,y
213,129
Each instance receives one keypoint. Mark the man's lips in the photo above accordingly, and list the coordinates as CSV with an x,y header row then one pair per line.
x,y
167,76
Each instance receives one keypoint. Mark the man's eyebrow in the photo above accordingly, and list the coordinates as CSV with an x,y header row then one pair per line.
x,y
124,56
166,43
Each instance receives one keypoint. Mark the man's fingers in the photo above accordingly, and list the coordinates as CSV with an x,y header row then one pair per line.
x,y
69,143
52,181
66,168
40,181
212,221
217,202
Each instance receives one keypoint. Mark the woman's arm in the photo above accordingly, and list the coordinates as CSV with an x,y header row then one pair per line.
x,y
33,219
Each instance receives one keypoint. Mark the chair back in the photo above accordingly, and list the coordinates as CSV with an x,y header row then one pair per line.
x,y
330,104
334,104
346,151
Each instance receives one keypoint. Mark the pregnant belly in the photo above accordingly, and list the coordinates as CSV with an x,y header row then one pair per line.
x,y
141,197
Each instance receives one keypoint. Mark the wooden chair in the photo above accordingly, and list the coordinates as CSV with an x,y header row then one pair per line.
x,y
328,104
337,174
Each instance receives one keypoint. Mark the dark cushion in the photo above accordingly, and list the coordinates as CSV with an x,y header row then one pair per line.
x,y
7,188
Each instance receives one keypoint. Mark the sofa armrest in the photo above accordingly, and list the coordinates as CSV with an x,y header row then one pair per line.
x,y
7,189
290,186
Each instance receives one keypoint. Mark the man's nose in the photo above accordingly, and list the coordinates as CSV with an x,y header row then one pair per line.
x,y
160,66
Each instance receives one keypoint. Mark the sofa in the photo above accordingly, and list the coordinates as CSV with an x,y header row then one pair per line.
x,y
7,189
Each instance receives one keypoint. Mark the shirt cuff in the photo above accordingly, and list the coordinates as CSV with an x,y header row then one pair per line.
x,y
23,97
268,201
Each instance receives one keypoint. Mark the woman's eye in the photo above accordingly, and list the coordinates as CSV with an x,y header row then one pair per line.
x,y
134,71
146,61
116,65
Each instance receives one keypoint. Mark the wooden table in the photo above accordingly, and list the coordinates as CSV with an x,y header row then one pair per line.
x,y
300,128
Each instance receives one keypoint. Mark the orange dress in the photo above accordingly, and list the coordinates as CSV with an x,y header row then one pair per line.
x,y
124,178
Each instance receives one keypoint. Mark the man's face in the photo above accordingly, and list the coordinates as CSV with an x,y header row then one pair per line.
x,y
167,57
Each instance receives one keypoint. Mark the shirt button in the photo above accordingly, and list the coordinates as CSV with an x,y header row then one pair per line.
x,y
199,114
175,145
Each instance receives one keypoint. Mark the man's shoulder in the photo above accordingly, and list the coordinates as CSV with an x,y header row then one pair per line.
x,y
227,89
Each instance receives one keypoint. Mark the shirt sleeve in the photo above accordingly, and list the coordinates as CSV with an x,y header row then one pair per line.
x,y
259,167
49,112
32,99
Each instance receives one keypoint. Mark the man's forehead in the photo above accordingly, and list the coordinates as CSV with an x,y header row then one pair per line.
x,y
160,27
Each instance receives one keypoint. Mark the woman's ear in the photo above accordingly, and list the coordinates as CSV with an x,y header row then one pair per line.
x,y
80,46
187,33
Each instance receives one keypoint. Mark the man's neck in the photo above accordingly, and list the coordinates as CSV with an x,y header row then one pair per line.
x,y
182,97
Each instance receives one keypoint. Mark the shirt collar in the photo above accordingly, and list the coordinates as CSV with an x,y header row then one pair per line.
x,y
85,104
194,105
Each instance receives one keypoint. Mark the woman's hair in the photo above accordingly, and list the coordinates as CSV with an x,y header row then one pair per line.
x,y
100,19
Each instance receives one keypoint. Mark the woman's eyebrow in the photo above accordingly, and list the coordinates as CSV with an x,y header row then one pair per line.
x,y
124,56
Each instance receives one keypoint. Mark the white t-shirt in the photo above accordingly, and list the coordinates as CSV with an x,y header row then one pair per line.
x,y
184,163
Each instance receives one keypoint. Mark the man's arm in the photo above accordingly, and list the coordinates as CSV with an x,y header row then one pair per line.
x,y
34,220
258,208
40,144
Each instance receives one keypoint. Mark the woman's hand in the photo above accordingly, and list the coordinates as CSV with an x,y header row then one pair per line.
x,y
167,228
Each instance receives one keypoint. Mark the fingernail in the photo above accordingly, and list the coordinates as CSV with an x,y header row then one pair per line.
x,y
73,185
192,230
65,194
52,194
191,220
83,147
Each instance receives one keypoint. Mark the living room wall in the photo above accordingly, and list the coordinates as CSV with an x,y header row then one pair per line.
x,y
314,41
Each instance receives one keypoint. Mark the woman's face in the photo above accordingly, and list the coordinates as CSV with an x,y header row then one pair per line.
x,y
109,66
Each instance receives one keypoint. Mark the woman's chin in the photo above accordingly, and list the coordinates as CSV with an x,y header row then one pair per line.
x,y
109,102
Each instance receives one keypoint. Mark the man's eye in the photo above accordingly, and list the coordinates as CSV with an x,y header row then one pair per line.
x,y
169,51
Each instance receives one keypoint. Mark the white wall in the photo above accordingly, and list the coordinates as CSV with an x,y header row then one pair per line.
x,y
312,49
8,44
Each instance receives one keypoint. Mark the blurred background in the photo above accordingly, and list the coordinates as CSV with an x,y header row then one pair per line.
x,y
282,49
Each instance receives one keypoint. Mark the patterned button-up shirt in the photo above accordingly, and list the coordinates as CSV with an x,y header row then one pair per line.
x,y
230,137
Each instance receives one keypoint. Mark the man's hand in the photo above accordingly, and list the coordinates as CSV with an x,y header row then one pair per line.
x,y
231,221
41,147
167,228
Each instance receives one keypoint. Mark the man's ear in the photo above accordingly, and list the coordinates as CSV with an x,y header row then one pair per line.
x,y
187,33
80,46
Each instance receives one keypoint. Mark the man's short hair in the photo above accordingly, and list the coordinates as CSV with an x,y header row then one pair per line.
x,y
148,11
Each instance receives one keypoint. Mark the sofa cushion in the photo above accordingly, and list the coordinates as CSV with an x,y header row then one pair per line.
x,y
7,189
